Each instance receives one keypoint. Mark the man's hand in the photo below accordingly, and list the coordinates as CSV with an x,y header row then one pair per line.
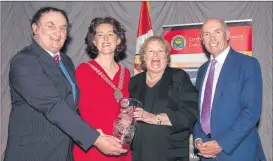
x,y
209,149
199,145
109,145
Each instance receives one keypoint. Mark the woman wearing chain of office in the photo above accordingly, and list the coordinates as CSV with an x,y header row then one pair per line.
x,y
169,106
102,82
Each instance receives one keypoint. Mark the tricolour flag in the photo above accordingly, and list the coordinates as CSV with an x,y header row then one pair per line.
x,y
144,31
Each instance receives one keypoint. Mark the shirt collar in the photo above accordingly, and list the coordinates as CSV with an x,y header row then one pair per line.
x,y
51,54
222,56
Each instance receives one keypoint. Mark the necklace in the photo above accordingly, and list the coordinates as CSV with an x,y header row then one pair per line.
x,y
117,91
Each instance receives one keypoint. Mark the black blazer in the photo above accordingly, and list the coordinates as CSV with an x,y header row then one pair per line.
x,y
44,117
177,97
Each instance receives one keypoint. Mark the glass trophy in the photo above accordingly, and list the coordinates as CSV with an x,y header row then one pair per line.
x,y
125,124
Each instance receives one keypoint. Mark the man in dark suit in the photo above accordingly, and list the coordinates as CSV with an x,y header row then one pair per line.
x,y
230,100
44,119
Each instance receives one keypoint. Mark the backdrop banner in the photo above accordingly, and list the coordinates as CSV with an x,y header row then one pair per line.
x,y
188,53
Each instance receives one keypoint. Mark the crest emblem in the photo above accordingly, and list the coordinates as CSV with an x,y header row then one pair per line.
x,y
178,42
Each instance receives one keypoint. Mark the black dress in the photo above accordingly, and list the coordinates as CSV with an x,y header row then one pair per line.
x,y
174,95
149,140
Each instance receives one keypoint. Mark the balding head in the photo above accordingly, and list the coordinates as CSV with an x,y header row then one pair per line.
x,y
215,36
214,19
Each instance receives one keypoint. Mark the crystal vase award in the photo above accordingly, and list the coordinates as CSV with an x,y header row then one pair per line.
x,y
125,124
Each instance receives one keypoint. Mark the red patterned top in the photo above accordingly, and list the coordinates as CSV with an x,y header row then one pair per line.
x,y
98,107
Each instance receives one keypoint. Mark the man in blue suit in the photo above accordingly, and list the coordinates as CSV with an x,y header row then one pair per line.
x,y
230,100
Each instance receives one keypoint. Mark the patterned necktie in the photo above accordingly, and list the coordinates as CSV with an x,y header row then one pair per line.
x,y
205,115
57,59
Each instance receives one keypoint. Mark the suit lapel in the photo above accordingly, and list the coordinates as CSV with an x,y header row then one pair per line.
x,y
223,77
67,67
71,74
44,55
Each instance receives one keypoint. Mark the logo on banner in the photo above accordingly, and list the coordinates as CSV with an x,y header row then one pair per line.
x,y
178,42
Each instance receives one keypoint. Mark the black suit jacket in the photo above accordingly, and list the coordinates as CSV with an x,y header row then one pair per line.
x,y
44,117
177,97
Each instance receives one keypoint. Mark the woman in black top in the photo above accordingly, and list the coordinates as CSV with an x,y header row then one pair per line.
x,y
169,106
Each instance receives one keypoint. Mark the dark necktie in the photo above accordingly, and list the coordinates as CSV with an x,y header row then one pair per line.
x,y
57,59
206,106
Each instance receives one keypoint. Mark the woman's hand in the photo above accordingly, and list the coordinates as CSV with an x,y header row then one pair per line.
x,y
144,116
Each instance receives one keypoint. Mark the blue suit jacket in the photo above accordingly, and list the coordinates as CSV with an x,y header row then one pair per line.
x,y
236,109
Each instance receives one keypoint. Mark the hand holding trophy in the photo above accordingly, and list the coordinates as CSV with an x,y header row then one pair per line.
x,y
125,125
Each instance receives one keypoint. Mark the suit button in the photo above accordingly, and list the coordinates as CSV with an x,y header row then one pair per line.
x,y
70,92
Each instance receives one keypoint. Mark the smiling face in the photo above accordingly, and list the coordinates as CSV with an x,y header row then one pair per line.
x,y
155,57
105,39
51,30
215,36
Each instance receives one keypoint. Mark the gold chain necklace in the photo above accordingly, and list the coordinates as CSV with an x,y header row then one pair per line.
x,y
117,91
